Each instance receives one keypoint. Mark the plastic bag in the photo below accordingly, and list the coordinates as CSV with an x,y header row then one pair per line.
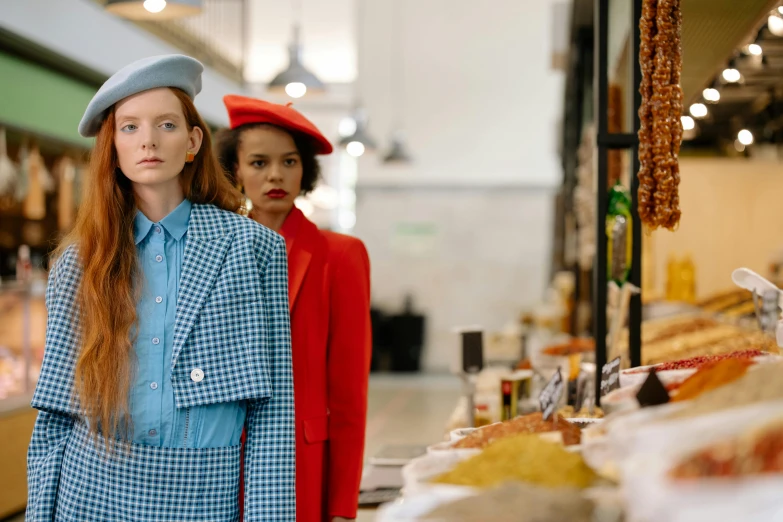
x,y
413,506
460,433
417,474
649,452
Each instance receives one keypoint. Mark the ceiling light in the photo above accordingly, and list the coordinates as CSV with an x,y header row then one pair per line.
x,y
346,127
775,25
731,75
688,123
745,137
296,80
755,49
155,6
698,110
711,94
359,136
355,148
398,152
157,10
296,89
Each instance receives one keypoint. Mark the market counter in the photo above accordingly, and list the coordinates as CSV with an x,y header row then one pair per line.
x,y
16,426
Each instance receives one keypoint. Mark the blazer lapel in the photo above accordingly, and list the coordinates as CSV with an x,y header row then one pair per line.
x,y
205,251
298,262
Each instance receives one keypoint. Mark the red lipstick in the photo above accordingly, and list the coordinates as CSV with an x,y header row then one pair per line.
x,y
277,194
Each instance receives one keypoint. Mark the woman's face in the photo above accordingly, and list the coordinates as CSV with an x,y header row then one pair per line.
x,y
270,169
151,137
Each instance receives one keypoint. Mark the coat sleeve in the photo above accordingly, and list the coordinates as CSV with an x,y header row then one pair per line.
x,y
350,348
47,445
270,449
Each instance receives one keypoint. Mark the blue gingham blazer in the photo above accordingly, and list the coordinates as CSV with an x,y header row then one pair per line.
x,y
232,322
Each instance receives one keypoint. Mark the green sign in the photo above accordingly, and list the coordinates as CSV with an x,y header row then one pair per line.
x,y
36,99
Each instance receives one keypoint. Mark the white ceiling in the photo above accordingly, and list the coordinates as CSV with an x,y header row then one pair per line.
x,y
327,37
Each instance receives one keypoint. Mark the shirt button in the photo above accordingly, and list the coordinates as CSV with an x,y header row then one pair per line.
x,y
157,230
159,258
152,433
197,375
159,299
154,385
155,340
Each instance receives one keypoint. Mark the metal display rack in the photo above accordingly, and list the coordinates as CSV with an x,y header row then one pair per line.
x,y
606,141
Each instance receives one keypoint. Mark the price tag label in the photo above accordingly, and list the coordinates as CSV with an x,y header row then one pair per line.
x,y
550,395
652,392
610,376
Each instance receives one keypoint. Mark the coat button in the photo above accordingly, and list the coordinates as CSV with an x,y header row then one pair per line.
x,y
197,375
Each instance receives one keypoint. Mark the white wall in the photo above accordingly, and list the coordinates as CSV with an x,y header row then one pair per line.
x,y
467,256
81,31
731,218
467,228
480,102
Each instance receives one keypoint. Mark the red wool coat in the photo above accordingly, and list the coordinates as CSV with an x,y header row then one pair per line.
x,y
329,300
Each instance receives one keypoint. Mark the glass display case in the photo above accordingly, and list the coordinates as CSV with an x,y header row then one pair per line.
x,y
22,336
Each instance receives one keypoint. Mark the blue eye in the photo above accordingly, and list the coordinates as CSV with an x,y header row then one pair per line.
x,y
169,126
129,128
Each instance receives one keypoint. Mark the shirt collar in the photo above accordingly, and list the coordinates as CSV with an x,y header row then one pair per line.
x,y
176,223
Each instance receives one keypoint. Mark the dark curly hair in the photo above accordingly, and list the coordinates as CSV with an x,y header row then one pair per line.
x,y
227,145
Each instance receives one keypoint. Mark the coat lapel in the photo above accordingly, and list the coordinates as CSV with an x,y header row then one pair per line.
x,y
205,249
298,262
300,236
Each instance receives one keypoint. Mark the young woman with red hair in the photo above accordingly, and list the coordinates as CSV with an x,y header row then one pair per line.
x,y
168,329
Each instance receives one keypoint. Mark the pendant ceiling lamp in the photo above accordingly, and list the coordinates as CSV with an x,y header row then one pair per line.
x,y
296,80
398,153
359,141
154,10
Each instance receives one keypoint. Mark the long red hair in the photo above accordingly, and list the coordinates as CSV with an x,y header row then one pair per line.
x,y
109,288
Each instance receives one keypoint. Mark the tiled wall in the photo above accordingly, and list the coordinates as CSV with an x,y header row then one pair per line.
x,y
467,255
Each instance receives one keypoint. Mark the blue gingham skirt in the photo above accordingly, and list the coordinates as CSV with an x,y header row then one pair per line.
x,y
146,483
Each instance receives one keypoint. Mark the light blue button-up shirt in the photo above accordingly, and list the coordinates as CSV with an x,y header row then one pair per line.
x,y
156,420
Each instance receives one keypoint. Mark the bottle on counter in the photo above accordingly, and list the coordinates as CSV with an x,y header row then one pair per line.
x,y
687,281
481,416
672,281
24,265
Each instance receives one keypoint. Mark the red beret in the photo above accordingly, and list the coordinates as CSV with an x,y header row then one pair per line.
x,y
243,110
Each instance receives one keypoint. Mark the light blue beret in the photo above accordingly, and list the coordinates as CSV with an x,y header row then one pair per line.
x,y
169,70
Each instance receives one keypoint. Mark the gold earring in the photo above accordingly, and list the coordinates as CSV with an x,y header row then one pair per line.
x,y
190,156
